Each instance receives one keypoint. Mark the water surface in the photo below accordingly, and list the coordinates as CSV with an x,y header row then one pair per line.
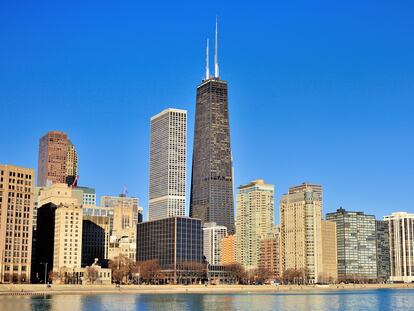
x,y
381,299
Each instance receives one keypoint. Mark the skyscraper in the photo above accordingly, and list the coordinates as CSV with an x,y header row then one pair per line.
x,y
58,160
255,219
401,230
16,219
357,249
212,174
168,152
301,230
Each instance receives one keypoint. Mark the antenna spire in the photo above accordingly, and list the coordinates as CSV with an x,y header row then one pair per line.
x,y
207,64
216,66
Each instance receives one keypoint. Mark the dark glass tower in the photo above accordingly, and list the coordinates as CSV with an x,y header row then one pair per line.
x,y
212,175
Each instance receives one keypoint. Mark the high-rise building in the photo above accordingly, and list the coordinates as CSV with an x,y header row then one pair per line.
x,y
300,225
329,271
16,221
212,236
85,195
59,232
401,233
255,218
95,239
168,152
175,242
228,250
269,253
212,172
356,240
58,160
383,250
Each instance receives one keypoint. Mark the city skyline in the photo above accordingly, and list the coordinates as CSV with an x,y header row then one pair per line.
x,y
354,155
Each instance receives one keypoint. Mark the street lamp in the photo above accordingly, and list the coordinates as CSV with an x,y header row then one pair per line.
x,y
45,264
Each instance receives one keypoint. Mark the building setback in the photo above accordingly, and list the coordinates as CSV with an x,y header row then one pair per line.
x,y
168,152
176,243
401,233
357,246
58,160
255,218
211,198
301,230
16,221
212,236
383,250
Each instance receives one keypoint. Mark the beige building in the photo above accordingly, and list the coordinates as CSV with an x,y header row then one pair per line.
x,y
16,220
228,250
71,164
123,235
68,237
401,233
301,230
329,273
255,218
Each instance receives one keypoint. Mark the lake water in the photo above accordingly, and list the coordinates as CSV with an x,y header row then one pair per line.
x,y
384,299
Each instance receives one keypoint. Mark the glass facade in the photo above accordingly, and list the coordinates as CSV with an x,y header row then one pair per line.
x,y
357,247
212,172
172,241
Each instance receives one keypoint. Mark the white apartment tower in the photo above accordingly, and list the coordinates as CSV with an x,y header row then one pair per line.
x,y
401,231
212,236
168,152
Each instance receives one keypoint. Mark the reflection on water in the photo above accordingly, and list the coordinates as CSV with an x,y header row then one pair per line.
x,y
321,301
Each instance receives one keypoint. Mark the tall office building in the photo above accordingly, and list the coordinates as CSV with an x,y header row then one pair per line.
x,y
383,250
300,225
356,240
58,160
168,152
255,218
212,236
401,232
16,220
212,173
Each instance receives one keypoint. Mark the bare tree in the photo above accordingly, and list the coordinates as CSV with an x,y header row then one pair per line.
x,y
91,275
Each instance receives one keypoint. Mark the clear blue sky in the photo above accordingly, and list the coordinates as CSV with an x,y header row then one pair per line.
x,y
320,91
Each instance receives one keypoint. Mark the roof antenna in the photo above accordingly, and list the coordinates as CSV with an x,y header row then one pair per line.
x,y
207,65
216,66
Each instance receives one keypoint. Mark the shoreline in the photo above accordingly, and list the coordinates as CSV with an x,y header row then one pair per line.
x,y
39,289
